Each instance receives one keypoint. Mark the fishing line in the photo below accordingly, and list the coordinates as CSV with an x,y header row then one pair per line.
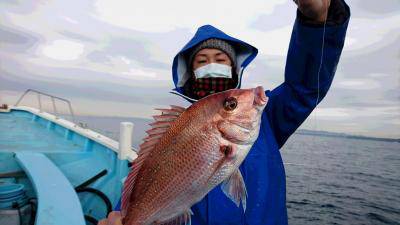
x,y
320,65
318,96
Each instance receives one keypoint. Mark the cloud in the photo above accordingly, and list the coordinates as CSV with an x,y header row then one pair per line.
x,y
376,8
76,36
175,14
122,90
332,113
382,121
16,6
374,33
63,50
339,112
278,18
14,40
137,73
128,48
119,54
267,71
234,19
368,77
69,19
358,84
12,36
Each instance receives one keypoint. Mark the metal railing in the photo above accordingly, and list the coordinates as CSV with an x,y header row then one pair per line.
x,y
52,97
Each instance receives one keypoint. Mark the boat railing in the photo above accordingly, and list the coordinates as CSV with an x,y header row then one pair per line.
x,y
52,97
124,136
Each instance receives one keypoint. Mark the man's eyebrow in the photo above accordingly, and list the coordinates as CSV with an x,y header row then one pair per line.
x,y
201,54
205,55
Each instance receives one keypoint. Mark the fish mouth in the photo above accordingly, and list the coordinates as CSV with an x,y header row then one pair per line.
x,y
246,126
248,133
260,99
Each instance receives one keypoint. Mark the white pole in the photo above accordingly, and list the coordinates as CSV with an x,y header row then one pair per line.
x,y
125,139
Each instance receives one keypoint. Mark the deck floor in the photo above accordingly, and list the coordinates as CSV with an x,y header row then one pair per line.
x,y
18,132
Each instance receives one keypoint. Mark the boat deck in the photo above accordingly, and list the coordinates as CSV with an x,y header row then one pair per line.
x,y
88,160
22,131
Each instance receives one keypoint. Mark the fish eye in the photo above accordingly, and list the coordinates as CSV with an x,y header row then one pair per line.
x,y
230,103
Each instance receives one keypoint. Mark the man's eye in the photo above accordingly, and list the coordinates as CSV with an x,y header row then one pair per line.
x,y
201,61
220,60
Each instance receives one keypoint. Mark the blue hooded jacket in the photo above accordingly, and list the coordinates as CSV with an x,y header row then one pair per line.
x,y
288,106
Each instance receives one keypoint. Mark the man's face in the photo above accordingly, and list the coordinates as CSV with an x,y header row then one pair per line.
x,y
206,86
210,55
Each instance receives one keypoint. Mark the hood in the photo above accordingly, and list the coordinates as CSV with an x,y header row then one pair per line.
x,y
245,53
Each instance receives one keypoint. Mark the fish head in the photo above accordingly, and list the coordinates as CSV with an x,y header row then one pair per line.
x,y
234,117
239,114
236,113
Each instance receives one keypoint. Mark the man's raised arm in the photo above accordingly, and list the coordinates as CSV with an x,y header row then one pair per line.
x,y
293,101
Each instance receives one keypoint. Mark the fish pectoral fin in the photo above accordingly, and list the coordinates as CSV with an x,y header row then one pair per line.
x,y
235,189
184,218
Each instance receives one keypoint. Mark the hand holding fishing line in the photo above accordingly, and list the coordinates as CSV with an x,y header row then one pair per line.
x,y
317,10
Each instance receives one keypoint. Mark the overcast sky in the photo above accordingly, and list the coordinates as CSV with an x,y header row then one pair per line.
x,y
114,57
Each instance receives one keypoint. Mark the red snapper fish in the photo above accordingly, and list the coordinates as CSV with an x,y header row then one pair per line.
x,y
190,151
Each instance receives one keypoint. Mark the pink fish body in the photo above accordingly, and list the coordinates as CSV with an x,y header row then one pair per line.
x,y
189,152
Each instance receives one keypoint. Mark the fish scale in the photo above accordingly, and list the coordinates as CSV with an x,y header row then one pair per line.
x,y
179,163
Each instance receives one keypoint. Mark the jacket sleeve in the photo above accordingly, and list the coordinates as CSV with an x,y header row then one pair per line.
x,y
292,102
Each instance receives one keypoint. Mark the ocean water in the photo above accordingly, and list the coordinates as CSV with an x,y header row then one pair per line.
x,y
329,180
334,180
109,126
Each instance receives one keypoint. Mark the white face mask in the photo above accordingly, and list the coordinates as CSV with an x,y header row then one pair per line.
x,y
213,70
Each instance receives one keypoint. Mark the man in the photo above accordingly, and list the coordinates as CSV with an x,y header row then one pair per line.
x,y
212,61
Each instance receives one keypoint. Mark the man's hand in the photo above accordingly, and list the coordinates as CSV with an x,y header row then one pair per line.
x,y
316,10
114,218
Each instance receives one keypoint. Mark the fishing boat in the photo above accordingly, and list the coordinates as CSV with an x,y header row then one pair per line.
x,y
56,171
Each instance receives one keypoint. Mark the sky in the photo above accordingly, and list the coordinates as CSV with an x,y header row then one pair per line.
x,y
113,58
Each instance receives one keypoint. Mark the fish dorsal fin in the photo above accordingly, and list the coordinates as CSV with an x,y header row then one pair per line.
x,y
158,129
178,108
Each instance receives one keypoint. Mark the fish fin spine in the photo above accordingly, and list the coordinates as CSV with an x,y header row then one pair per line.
x,y
159,128
178,108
